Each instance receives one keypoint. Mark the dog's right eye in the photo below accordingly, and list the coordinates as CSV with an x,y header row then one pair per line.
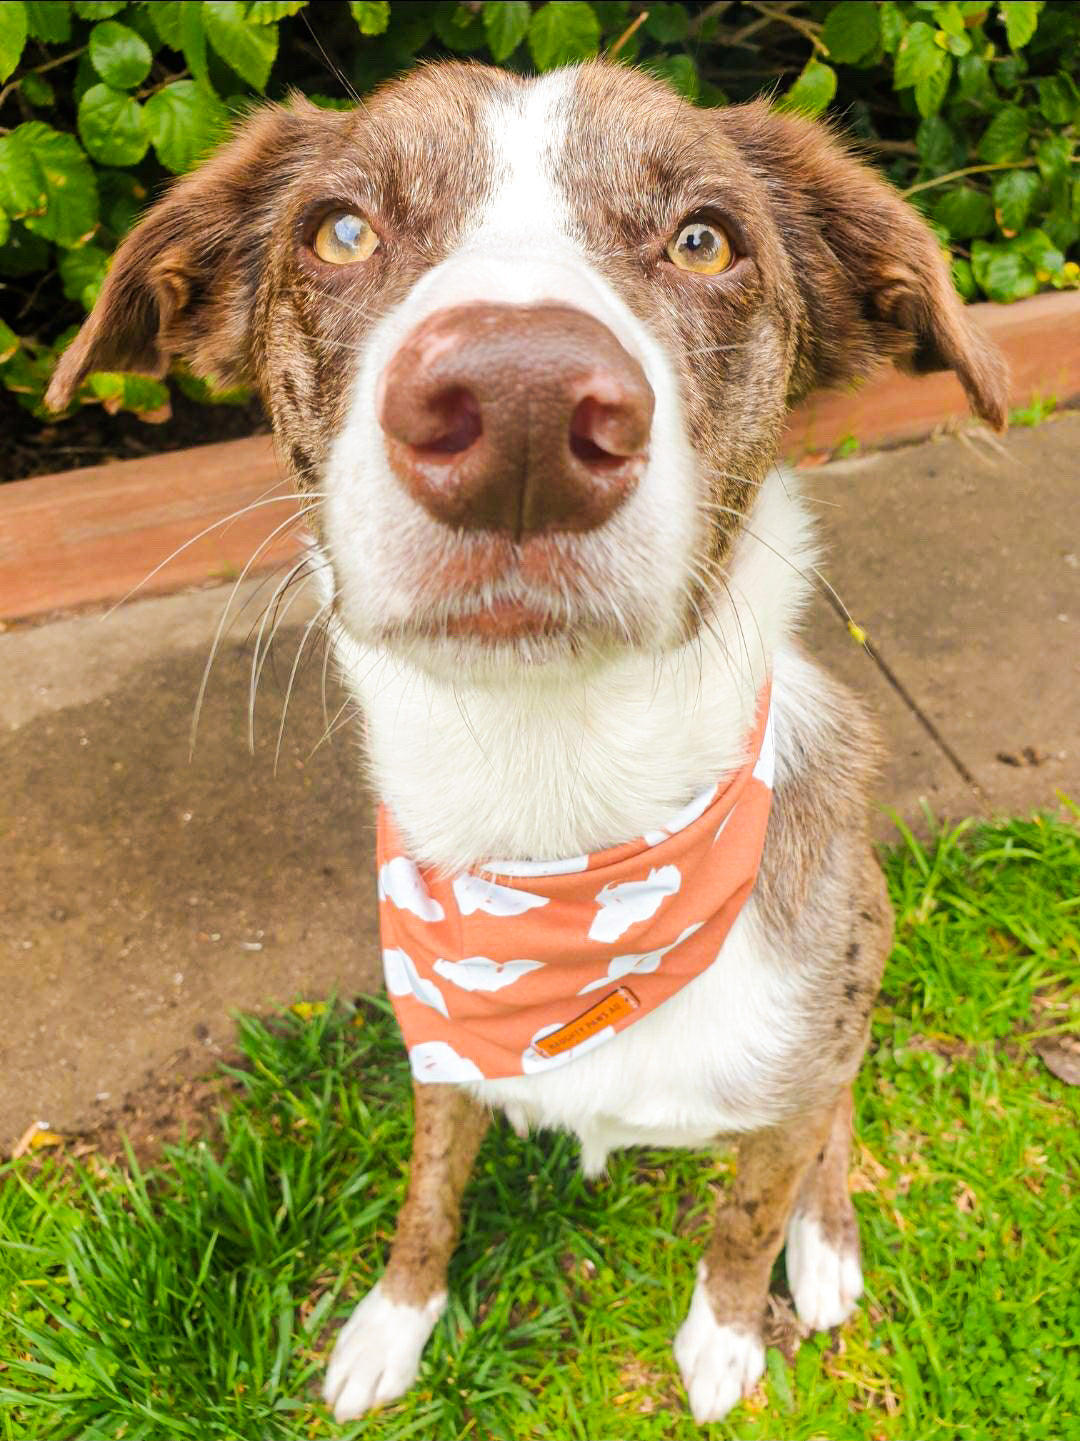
x,y
343,239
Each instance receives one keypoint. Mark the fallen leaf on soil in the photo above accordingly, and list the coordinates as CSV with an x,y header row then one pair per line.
x,y
35,1138
1061,1055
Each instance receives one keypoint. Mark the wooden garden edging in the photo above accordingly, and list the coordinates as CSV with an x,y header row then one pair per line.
x,y
88,537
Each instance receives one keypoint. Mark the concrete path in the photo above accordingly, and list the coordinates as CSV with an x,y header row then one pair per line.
x,y
145,898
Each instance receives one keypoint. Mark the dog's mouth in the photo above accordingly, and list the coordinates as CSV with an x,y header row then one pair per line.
x,y
503,620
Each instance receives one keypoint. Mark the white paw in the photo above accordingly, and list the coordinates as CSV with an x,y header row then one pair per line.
x,y
377,1354
825,1283
719,1364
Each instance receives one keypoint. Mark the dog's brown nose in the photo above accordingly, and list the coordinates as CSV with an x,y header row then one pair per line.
x,y
516,418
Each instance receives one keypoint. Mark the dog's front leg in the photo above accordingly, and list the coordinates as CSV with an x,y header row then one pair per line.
x,y
377,1354
718,1347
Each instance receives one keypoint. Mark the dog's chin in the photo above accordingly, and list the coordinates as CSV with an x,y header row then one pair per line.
x,y
497,644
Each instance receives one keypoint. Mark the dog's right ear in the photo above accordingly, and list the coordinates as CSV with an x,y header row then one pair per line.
x,y
184,281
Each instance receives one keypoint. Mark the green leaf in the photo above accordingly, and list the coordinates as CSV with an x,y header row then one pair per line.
x,y
9,343
118,390
1053,156
112,126
168,22
963,278
931,90
119,56
964,212
917,57
851,31
36,90
23,253
250,50
506,26
185,120
266,12
679,71
98,9
935,141
893,25
372,16
666,22
195,388
563,31
1020,17
1057,98
47,181
1037,247
459,28
49,20
1005,137
812,91
959,44
180,25
14,28
82,273
973,77
5,229
1014,193
123,198
950,18
1003,273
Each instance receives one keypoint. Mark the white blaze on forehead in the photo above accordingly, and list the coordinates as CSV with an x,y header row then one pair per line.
x,y
526,210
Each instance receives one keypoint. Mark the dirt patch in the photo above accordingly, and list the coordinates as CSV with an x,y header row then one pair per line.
x,y
92,437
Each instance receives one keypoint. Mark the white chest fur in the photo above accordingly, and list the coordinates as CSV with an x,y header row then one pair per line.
x,y
471,773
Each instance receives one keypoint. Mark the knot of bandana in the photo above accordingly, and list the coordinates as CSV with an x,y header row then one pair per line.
x,y
524,965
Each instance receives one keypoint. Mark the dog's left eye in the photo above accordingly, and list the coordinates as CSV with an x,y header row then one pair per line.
x,y
701,248
344,238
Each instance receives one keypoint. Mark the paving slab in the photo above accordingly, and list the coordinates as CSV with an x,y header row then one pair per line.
x,y
144,897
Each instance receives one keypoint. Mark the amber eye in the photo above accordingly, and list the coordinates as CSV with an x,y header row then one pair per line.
x,y
701,248
344,238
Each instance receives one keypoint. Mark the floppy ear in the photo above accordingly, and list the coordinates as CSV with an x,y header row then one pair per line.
x,y
872,277
184,281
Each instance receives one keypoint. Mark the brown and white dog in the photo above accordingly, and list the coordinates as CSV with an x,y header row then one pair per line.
x,y
528,346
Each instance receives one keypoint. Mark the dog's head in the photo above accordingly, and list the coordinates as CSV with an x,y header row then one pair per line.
x,y
528,345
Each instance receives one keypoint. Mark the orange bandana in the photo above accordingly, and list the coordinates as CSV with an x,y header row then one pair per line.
x,y
524,965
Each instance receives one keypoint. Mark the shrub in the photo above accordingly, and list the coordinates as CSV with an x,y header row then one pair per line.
x,y
970,108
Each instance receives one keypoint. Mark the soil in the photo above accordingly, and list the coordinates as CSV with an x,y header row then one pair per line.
x,y
93,437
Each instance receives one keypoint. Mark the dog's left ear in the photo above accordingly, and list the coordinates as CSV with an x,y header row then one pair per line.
x,y
873,281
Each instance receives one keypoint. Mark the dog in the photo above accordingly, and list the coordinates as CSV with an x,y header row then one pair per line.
x,y
527,345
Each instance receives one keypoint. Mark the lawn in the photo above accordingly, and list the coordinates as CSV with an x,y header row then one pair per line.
x,y
198,1298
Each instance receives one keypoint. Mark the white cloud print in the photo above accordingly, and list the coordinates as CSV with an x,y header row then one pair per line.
x,y
625,904
403,979
478,973
401,882
474,893
641,964
437,1061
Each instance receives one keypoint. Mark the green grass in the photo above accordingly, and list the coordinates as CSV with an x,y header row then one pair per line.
x,y
197,1300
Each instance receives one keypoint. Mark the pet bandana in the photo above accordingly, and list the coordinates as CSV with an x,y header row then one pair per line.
x,y
524,965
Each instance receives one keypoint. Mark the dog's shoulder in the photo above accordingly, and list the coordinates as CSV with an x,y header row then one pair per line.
x,y
817,867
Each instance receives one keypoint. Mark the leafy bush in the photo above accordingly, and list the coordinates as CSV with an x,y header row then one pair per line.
x,y
969,107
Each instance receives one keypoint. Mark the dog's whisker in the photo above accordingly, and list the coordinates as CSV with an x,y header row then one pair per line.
x,y
225,520
252,560
292,678
256,664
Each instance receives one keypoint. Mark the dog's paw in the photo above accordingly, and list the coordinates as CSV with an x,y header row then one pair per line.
x,y
377,1354
719,1364
825,1283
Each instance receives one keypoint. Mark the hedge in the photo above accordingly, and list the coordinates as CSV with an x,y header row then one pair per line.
x,y
970,108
